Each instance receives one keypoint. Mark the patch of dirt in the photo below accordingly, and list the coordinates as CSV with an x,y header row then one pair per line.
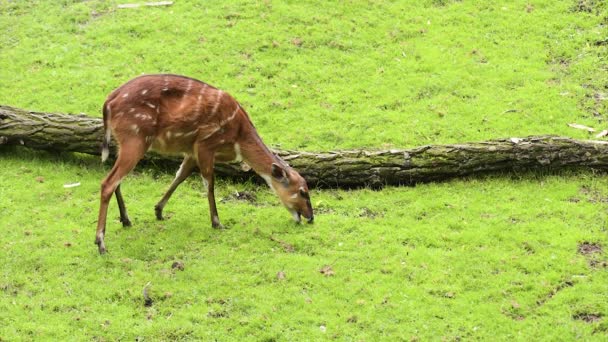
x,y
587,248
529,8
588,317
598,263
587,6
528,248
286,246
217,314
220,301
297,42
593,196
327,271
178,265
220,308
241,196
369,213
559,287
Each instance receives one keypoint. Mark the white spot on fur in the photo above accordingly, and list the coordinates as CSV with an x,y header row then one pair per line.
x,y
143,116
199,98
125,95
190,133
212,132
169,133
188,87
178,134
131,110
237,152
294,196
135,128
149,104
143,92
223,122
217,102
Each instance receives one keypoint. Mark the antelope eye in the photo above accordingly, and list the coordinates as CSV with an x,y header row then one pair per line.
x,y
303,193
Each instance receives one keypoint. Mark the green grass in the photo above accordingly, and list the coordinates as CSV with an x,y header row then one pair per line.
x,y
321,75
493,257
476,258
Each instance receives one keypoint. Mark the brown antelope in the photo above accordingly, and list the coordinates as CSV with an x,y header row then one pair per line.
x,y
174,114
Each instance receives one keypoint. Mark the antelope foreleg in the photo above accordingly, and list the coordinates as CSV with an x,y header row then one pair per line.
x,y
206,161
185,170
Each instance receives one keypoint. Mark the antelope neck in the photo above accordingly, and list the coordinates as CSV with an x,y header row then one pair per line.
x,y
257,155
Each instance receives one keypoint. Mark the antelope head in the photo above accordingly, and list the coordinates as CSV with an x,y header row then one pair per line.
x,y
293,192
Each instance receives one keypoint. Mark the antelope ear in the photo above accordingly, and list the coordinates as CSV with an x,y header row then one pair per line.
x,y
279,173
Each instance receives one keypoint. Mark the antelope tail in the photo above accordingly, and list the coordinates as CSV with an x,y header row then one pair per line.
x,y
105,145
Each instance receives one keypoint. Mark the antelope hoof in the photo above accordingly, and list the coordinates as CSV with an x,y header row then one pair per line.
x,y
217,225
159,213
126,222
101,245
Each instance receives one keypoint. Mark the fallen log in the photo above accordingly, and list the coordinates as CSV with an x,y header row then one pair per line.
x,y
80,133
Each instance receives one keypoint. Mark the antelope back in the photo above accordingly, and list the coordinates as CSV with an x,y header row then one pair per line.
x,y
172,113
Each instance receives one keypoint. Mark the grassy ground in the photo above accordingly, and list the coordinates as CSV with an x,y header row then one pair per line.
x,y
322,75
475,258
507,256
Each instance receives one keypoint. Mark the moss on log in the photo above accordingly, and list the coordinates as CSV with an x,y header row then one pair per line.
x,y
79,133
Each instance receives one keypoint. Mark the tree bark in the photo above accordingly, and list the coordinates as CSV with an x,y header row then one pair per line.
x,y
354,168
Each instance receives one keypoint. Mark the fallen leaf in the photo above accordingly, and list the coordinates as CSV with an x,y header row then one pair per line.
x,y
327,271
40,179
583,127
281,275
297,42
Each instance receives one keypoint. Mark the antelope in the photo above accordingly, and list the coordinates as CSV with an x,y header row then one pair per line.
x,y
173,114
